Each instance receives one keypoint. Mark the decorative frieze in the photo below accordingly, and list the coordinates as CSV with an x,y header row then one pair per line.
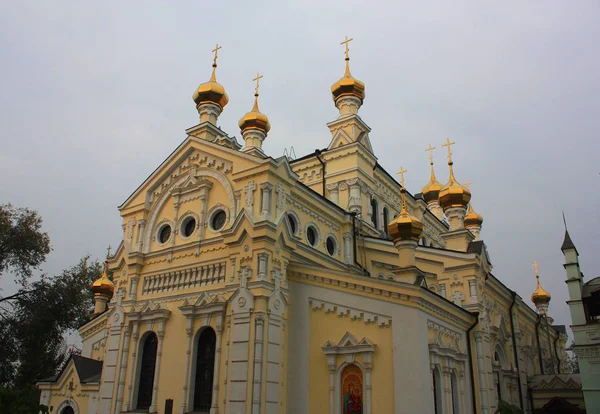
x,y
353,313
183,279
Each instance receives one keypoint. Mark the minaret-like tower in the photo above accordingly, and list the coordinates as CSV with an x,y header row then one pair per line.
x,y
210,97
405,231
540,297
431,191
254,126
103,289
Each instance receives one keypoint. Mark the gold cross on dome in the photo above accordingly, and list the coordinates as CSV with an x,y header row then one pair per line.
x,y
345,42
448,144
401,174
536,267
430,149
108,251
258,77
467,184
216,51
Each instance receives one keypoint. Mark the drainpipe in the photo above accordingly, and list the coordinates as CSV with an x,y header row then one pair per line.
x,y
318,154
514,341
473,399
556,353
537,334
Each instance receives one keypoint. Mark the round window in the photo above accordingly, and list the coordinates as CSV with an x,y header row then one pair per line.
x,y
293,224
218,220
331,245
164,234
188,226
311,236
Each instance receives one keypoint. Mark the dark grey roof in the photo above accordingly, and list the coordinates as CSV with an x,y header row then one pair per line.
x,y
568,243
418,196
475,247
88,370
560,329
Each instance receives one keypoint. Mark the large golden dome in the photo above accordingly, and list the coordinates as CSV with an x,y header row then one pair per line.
x,y
255,119
472,219
405,226
540,296
211,92
453,194
103,286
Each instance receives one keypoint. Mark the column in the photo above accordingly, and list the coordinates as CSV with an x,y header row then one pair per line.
x,y
347,248
447,388
227,342
140,235
123,369
331,366
368,386
265,204
188,354
215,394
259,321
161,335
334,194
473,291
135,337
262,266
481,372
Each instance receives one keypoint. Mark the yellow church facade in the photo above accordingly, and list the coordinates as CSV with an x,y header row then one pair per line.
x,y
251,284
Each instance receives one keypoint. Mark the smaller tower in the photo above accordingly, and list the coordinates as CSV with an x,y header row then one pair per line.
x,y
431,191
473,221
540,297
210,97
405,231
254,126
454,197
348,92
103,289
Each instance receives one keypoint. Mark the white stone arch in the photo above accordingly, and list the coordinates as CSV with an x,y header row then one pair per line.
x,y
338,386
157,226
292,213
194,359
69,402
212,211
167,193
317,231
138,366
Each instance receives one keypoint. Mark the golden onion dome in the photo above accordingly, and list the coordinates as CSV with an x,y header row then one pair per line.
x,y
540,296
211,92
348,85
453,194
431,191
103,286
472,219
255,119
405,226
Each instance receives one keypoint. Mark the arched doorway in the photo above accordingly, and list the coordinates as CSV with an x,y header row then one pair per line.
x,y
146,376
67,410
437,390
205,365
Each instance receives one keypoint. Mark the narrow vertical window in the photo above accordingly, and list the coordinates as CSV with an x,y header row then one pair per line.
x,y
454,386
146,378
437,391
385,220
205,364
374,212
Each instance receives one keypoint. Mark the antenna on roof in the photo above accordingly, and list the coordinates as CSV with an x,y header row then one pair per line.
x,y
291,154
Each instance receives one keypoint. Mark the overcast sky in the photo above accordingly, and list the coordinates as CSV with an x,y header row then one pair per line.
x,y
95,95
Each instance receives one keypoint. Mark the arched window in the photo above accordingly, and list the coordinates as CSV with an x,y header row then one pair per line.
x,y
374,212
146,378
386,217
205,364
352,389
454,386
437,391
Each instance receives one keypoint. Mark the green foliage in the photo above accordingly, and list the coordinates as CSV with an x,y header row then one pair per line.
x,y
23,400
506,408
34,327
23,246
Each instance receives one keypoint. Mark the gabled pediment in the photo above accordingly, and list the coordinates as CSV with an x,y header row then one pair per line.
x,y
348,345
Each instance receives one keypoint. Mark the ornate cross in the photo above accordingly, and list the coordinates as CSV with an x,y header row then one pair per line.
x,y
401,174
467,184
536,267
108,251
258,77
345,42
430,149
216,51
448,144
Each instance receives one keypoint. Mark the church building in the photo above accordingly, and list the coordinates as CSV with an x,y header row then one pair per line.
x,y
246,283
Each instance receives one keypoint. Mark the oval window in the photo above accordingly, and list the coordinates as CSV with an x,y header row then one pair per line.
x,y
188,226
331,245
218,220
164,234
311,236
293,224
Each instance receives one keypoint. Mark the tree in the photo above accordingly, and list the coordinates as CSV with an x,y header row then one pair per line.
x,y
23,245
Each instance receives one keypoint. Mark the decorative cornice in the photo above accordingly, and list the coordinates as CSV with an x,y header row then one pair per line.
x,y
354,314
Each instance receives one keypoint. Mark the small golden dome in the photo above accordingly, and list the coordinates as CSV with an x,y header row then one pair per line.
x,y
405,226
255,119
348,86
540,296
453,194
431,191
103,286
472,219
211,92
